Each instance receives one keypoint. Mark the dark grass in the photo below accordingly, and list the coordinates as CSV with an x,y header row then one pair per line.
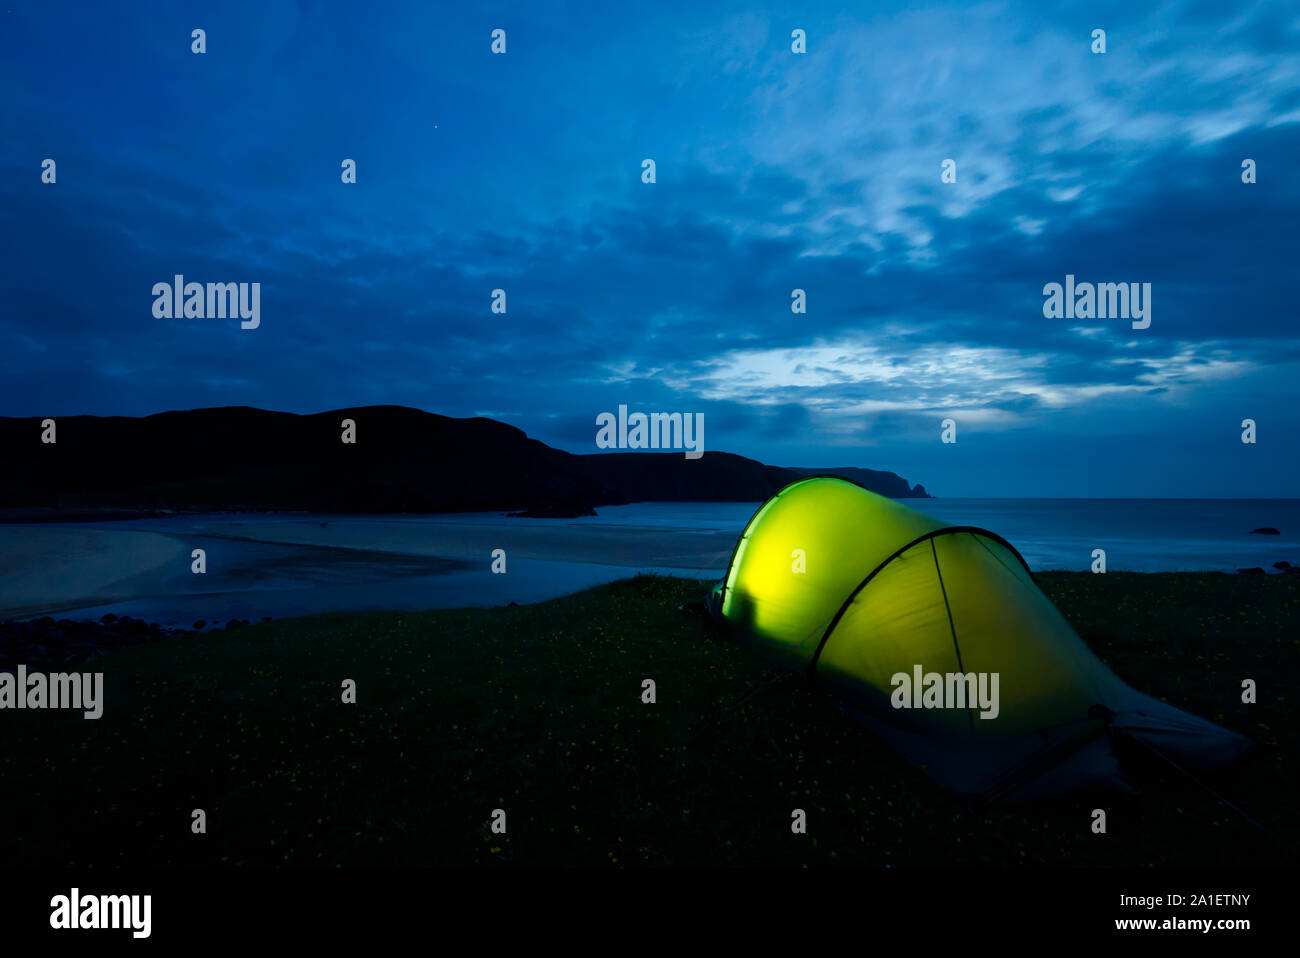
x,y
537,710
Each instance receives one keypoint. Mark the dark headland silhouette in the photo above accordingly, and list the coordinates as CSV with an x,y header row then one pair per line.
x,y
404,460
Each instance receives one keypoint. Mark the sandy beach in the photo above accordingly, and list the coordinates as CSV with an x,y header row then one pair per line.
x,y
276,566
474,540
48,569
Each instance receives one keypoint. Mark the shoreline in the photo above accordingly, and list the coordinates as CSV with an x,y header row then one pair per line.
x,y
54,515
55,640
282,564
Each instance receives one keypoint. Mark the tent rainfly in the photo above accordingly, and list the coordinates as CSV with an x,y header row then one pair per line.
x,y
937,638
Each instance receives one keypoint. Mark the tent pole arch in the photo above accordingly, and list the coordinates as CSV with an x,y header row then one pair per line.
x,y
947,530
735,550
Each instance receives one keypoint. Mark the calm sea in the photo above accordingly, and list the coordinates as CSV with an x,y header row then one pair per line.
x,y
249,578
1139,535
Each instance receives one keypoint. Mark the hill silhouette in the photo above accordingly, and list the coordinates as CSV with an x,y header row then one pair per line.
x,y
404,460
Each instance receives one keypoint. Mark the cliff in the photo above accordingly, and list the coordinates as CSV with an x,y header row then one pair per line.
x,y
404,460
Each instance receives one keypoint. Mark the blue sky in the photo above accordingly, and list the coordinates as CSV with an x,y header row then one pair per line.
x,y
775,171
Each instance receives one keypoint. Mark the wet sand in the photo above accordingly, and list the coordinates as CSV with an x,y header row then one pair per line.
x,y
555,540
46,569
277,566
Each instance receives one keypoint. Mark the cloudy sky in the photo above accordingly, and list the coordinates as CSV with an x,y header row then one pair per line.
x,y
775,171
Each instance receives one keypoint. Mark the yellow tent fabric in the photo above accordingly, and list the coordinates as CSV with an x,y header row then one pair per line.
x,y
860,591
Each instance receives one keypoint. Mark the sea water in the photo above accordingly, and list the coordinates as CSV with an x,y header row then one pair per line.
x,y
250,579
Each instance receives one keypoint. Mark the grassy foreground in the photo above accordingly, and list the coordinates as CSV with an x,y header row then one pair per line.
x,y
537,710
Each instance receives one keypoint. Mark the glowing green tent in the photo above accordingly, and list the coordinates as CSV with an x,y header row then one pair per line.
x,y
937,638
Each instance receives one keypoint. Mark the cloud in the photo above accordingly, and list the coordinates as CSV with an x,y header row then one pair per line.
x,y
775,172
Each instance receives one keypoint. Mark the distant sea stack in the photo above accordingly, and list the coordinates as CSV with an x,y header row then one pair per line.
x,y
236,458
